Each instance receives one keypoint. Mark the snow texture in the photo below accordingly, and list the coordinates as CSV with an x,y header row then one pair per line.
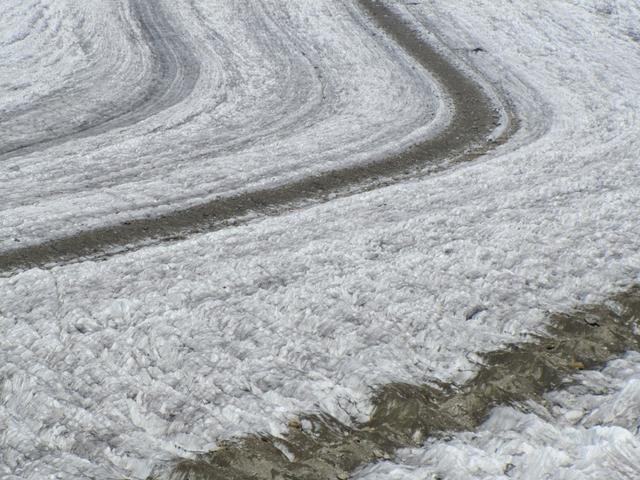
x,y
113,110
589,431
110,369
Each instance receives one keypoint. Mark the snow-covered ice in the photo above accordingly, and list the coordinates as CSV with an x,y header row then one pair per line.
x,y
109,368
198,99
589,431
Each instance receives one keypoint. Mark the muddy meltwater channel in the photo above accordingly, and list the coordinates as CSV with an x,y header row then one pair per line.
x,y
319,447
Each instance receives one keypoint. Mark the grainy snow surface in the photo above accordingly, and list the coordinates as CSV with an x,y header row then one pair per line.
x,y
148,105
108,369
589,431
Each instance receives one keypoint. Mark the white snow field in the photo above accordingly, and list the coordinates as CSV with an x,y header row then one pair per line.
x,y
110,369
588,432
122,109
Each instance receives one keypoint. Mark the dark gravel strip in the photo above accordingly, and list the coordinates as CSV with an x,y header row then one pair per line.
x,y
465,138
405,415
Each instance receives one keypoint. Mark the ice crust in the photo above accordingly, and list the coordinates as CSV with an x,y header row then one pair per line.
x,y
112,368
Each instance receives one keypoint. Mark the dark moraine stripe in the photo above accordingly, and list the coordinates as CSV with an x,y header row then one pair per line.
x,y
406,415
465,138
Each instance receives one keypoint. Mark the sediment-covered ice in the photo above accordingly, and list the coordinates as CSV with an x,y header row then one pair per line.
x,y
589,431
110,368
112,110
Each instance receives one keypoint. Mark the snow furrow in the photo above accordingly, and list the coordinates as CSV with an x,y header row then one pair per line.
x,y
165,105
85,105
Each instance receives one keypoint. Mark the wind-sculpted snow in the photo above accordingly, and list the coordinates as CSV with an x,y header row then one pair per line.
x,y
110,368
113,110
590,431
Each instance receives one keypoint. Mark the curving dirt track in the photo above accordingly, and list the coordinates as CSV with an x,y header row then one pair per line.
x,y
172,77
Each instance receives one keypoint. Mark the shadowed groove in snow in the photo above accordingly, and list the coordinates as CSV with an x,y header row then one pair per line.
x,y
174,72
466,137
319,447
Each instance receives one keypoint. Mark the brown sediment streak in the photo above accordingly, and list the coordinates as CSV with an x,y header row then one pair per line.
x,y
474,118
319,447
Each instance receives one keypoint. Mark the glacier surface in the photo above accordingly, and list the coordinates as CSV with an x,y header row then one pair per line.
x,y
114,368
588,431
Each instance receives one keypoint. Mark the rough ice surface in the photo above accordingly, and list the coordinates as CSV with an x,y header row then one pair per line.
x,y
111,368
159,104
589,431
